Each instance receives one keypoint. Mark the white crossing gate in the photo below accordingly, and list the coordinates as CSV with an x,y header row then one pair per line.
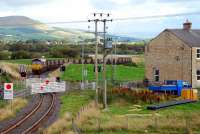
x,y
31,81
8,91
48,87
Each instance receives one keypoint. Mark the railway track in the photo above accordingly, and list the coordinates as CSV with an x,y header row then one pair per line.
x,y
34,119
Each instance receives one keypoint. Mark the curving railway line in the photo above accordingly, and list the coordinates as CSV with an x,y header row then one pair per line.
x,y
33,120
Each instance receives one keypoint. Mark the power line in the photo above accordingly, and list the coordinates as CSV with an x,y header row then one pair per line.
x,y
117,19
48,23
157,16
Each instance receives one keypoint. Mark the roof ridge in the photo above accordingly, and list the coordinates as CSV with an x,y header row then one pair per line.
x,y
191,37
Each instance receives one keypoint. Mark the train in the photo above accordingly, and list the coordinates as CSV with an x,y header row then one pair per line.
x,y
118,60
41,65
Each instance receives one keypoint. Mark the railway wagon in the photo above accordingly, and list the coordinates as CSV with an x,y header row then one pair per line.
x,y
42,65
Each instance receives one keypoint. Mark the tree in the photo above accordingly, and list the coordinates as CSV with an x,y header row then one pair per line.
x,y
5,55
20,55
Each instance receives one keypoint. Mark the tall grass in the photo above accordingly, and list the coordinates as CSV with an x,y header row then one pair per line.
x,y
158,125
12,69
61,126
11,109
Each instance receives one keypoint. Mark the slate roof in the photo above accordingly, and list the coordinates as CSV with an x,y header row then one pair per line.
x,y
191,37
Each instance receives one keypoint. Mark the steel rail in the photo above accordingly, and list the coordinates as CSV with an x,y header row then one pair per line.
x,y
18,123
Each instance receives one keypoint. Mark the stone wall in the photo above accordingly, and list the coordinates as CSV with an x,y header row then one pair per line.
x,y
195,67
170,55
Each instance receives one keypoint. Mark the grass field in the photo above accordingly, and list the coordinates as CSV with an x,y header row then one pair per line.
x,y
73,101
122,73
114,120
19,61
126,108
165,121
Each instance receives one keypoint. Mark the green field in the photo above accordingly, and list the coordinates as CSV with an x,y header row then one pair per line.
x,y
74,100
122,72
140,120
184,109
19,61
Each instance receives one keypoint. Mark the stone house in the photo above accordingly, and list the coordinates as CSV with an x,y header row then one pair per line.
x,y
174,54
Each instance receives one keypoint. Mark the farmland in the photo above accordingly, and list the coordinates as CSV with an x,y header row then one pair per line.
x,y
122,72
123,116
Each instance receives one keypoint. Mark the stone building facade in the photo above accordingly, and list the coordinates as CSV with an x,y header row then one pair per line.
x,y
174,55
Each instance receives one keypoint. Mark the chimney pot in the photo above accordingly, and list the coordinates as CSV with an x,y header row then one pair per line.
x,y
187,25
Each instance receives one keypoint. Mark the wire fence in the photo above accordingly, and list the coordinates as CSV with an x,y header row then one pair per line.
x,y
75,127
145,123
80,116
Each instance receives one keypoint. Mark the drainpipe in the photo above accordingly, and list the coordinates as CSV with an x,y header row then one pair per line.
x,y
191,67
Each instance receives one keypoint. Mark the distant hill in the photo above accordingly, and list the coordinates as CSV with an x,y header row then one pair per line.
x,y
17,20
24,28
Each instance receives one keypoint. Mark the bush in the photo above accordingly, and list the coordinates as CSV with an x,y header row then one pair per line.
x,y
141,95
21,55
5,55
64,52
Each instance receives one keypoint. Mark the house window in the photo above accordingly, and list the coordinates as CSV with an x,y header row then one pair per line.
x,y
198,53
156,75
198,74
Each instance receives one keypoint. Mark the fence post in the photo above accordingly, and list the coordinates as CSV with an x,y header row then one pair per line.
x,y
98,124
127,119
188,128
155,121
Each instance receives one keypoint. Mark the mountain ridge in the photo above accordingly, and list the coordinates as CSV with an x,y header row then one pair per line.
x,y
25,28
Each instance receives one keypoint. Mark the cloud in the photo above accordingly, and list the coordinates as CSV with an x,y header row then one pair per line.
x,y
19,3
113,4
67,10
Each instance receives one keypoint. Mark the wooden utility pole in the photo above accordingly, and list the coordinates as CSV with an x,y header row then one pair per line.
x,y
96,20
96,62
104,62
104,66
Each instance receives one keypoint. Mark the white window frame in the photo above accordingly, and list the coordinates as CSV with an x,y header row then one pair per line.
x,y
198,53
198,75
156,75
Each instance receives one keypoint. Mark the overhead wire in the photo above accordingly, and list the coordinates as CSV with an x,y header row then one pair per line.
x,y
114,19
158,16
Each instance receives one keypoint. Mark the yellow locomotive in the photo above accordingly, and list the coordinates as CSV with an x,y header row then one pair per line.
x,y
41,65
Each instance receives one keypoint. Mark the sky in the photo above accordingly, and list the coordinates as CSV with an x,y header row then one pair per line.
x,y
68,10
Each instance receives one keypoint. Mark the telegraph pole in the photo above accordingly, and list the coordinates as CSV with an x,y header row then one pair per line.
x,y
105,105
96,57
83,67
104,20
96,62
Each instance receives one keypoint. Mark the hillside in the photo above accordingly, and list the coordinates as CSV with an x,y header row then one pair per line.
x,y
24,28
17,20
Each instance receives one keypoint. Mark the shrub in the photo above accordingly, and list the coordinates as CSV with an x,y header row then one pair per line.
x,y
21,55
5,55
140,95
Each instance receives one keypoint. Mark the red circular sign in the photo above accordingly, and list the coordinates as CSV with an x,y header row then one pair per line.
x,y
41,88
47,81
8,86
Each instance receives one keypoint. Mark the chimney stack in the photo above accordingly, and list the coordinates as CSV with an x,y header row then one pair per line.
x,y
187,25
